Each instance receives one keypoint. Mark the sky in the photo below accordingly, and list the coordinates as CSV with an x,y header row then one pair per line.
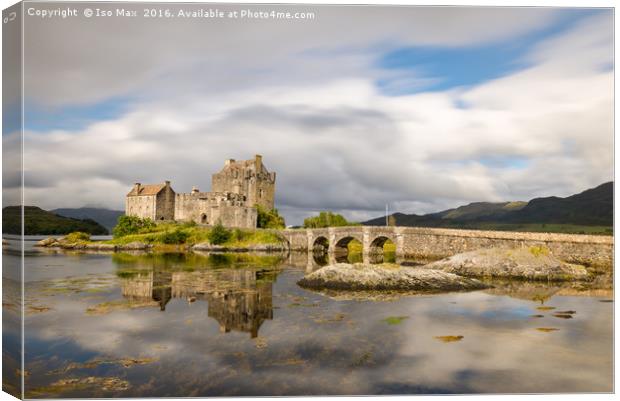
x,y
420,108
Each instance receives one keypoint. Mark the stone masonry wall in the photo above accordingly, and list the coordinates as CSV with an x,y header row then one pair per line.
x,y
165,204
211,208
141,206
188,207
249,178
435,243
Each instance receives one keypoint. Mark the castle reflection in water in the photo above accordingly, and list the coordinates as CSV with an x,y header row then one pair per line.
x,y
239,299
236,287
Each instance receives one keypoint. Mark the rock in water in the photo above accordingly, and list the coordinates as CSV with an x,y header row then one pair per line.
x,y
533,263
363,277
135,246
47,242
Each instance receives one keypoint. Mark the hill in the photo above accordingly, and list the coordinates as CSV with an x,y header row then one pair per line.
x,y
40,222
591,208
106,217
477,211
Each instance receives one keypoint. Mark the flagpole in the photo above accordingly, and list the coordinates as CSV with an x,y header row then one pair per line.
x,y
387,223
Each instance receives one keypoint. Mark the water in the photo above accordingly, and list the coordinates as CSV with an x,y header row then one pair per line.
x,y
103,325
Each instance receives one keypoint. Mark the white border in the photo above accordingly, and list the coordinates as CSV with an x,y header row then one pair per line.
x,y
490,3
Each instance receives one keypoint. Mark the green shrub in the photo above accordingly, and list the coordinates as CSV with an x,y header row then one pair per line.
x,y
132,225
174,237
268,218
77,237
238,235
327,219
189,224
219,234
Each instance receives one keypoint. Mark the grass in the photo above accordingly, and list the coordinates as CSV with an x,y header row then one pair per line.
x,y
546,228
393,320
170,234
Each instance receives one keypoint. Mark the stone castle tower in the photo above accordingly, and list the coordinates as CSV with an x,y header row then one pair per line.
x,y
235,191
249,178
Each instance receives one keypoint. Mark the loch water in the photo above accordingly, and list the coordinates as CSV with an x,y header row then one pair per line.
x,y
174,325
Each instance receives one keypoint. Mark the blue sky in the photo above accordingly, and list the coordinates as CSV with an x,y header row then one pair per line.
x,y
73,117
453,67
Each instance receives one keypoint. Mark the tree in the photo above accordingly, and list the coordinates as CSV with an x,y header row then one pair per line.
x,y
327,219
269,218
219,234
132,225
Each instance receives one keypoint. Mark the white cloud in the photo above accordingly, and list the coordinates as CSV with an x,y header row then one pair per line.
x,y
337,142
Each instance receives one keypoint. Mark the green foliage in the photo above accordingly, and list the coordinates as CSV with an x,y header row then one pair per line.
x,y
238,235
177,236
327,219
354,246
393,320
539,251
269,218
219,234
77,237
172,233
40,222
132,225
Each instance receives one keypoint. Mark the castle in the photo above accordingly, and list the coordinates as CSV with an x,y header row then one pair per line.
x,y
235,191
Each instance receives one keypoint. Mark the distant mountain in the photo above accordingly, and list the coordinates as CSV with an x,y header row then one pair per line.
x,y
593,207
106,217
40,222
479,210
462,214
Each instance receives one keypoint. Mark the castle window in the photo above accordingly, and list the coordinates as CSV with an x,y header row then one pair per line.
x,y
203,218
260,193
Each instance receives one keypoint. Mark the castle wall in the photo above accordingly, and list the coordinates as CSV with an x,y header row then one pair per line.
x,y
211,208
234,216
249,178
261,190
165,204
189,207
141,206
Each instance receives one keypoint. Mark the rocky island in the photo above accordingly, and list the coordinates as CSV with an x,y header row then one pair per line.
x,y
528,263
369,277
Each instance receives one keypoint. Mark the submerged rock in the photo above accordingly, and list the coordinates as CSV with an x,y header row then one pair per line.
x,y
135,246
359,276
101,247
533,263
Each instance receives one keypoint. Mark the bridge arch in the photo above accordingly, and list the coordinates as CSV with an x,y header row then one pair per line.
x,y
342,243
376,245
382,249
343,252
320,244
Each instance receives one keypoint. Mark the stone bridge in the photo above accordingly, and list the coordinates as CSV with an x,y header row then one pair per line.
x,y
436,243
